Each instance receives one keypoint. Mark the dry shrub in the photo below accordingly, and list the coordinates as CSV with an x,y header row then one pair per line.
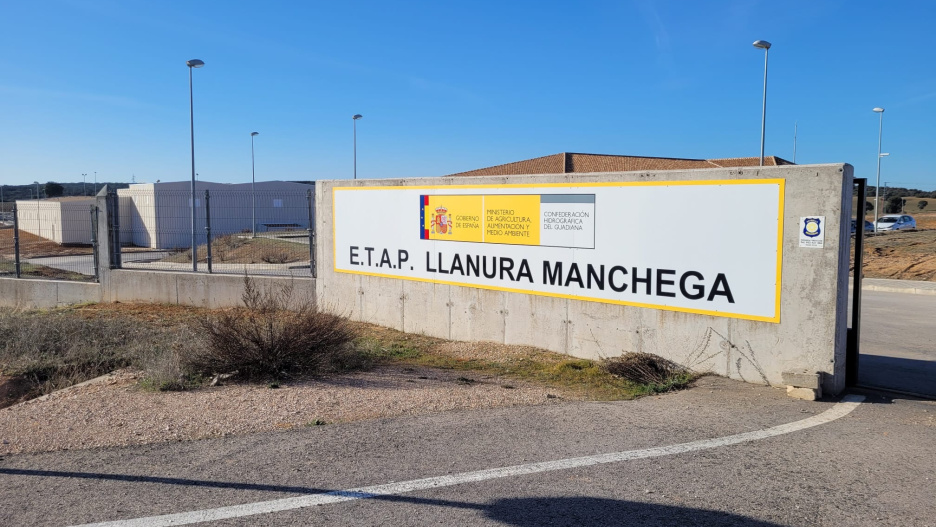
x,y
651,371
51,350
277,333
224,247
273,254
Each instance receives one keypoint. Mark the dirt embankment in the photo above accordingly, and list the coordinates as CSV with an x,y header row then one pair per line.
x,y
32,246
903,255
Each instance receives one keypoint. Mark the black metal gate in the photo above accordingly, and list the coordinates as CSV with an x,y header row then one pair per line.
x,y
854,332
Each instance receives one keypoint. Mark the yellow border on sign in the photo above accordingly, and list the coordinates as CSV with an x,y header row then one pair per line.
x,y
780,182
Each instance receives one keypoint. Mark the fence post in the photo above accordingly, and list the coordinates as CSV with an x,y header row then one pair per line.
x,y
113,228
208,229
311,234
95,249
16,251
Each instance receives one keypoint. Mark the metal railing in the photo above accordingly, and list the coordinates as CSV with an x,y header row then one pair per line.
x,y
49,239
267,232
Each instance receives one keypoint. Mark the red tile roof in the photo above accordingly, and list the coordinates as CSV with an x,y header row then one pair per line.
x,y
571,163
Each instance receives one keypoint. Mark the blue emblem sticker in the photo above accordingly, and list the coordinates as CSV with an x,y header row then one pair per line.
x,y
812,227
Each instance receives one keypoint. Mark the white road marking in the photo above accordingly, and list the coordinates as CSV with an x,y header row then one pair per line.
x,y
841,409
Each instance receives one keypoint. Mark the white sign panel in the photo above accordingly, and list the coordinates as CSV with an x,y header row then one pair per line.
x,y
709,247
812,231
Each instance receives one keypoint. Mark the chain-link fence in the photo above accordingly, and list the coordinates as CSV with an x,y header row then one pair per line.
x,y
52,239
263,232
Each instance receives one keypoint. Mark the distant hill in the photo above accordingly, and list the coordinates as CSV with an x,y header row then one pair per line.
x,y
911,204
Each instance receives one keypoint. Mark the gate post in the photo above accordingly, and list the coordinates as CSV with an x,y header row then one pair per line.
x,y
208,230
311,234
95,249
16,251
853,341
113,228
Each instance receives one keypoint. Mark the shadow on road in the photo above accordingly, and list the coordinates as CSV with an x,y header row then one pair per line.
x,y
519,512
896,373
599,512
166,481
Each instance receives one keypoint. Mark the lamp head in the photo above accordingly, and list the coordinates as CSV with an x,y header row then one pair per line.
x,y
878,110
357,116
194,63
884,154
763,44
254,133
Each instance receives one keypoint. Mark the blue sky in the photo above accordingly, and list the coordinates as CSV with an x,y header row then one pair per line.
x,y
102,86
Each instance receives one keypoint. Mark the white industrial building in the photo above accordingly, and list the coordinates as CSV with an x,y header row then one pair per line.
x,y
62,220
158,215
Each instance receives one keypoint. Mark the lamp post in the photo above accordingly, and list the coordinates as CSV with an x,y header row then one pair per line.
x,y
877,184
253,181
795,125
763,44
84,184
95,182
194,63
354,119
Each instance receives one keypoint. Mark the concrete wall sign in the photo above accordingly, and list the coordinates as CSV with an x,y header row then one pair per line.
x,y
707,247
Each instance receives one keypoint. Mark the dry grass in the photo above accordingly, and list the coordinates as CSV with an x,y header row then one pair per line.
x,y
913,206
8,268
49,350
241,249
276,335
587,378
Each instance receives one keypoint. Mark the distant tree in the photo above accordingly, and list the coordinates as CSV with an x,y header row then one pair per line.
x,y
922,204
894,205
53,190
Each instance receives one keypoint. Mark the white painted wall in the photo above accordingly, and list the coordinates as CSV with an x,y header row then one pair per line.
x,y
160,213
64,222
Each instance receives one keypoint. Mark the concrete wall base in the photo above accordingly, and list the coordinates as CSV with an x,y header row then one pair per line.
x,y
26,293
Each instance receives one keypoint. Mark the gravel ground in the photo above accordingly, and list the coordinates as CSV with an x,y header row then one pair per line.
x,y
114,411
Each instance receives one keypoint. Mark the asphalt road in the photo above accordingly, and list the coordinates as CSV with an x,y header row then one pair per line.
x,y
873,466
898,342
84,263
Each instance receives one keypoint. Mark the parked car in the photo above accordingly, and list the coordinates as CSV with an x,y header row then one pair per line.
x,y
868,226
894,222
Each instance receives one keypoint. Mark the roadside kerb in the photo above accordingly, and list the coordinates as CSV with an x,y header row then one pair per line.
x,y
915,287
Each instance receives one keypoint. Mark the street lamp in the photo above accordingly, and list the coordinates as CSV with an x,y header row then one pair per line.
x,y
763,44
194,63
84,185
795,125
95,182
354,118
877,184
253,181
